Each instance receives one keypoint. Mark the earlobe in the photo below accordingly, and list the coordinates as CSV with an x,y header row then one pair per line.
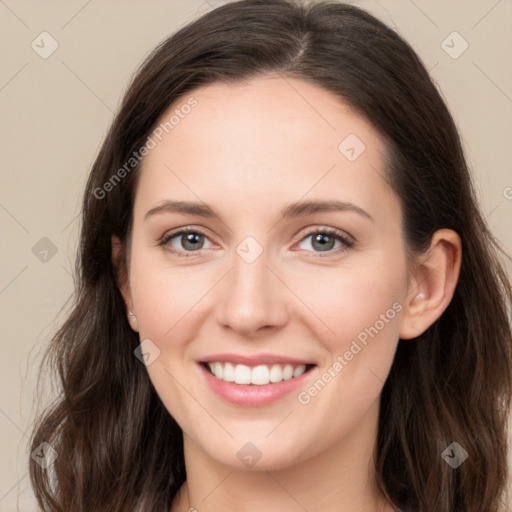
x,y
123,282
433,283
133,321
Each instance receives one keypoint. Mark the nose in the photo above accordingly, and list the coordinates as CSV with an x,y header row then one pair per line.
x,y
252,299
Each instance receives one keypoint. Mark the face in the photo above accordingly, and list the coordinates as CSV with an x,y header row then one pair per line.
x,y
318,286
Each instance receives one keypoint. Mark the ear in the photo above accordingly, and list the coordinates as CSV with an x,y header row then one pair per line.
x,y
433,283
123,282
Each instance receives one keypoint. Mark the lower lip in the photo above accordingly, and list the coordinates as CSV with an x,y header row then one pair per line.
x,y
252,395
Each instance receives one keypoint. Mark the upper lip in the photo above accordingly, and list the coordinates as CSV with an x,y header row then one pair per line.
x,y
255,359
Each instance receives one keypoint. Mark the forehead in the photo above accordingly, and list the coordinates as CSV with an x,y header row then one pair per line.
x,y
269,139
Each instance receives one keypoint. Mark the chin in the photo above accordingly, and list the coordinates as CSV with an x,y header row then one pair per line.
x,y
254,456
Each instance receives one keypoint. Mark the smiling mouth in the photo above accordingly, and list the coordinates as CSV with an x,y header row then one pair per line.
x,y
259,375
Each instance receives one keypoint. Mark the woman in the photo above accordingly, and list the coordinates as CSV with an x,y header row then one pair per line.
x,y
286,294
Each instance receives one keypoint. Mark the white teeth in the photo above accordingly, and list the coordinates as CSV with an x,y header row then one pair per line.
x,y
242,374
276,374
288,372
218,370
299,370
258,375
229,373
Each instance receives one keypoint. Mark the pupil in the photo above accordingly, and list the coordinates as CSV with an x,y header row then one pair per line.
x,y
323,240
191,238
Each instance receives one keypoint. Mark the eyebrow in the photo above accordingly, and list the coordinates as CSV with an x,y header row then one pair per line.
x,y
292,210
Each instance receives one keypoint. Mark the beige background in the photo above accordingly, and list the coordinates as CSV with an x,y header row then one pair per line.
x,y
55,113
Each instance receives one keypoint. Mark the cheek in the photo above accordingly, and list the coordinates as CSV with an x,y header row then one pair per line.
x,y
363,309
348,301
167,298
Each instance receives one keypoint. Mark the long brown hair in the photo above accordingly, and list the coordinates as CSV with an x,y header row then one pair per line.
x,y
118,448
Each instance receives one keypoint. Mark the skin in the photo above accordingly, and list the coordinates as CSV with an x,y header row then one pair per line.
x,y
247,150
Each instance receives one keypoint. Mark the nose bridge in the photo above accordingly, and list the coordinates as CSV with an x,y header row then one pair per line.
x,y
251,297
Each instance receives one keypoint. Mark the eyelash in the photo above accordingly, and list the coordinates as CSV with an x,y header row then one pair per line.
x,y
346,242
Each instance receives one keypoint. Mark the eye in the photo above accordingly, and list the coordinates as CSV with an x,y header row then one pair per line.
x,y
190,240
324,240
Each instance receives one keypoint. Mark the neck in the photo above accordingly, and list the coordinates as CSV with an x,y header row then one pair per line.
x,y
341,479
